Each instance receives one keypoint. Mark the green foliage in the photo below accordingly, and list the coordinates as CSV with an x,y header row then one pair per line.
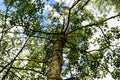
x,y
43,22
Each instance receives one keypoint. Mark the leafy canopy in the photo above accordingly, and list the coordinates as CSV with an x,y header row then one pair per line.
x,y
29,28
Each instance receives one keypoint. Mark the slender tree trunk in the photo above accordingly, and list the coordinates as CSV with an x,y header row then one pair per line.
x,y
54,72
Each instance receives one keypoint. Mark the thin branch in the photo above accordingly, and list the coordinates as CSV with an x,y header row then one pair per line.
x,y
7,9
63,26
92,24
16,75
95,50
83,6
95,59
69,14
6,12
28,69
106,39
11,63
48,33
40,31
36,61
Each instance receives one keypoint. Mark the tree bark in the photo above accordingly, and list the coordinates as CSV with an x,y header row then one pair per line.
x,y
55,68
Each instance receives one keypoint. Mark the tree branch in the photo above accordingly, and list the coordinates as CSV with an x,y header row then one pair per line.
x,y
69,14
29,70
11,63
36,61
4,26
95,59
48,33
16,75
93,24
106,39
19,68
83,6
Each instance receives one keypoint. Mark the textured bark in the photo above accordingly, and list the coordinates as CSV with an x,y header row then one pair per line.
x,y
54,72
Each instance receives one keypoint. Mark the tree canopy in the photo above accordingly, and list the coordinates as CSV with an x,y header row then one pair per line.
x,y
53,39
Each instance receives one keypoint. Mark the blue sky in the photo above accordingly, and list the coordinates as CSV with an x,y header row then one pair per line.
x,y
2,6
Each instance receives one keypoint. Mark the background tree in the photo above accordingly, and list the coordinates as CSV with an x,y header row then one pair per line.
x,y
49,40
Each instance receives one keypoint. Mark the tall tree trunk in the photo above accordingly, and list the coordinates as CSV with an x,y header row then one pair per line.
x,y
54,72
